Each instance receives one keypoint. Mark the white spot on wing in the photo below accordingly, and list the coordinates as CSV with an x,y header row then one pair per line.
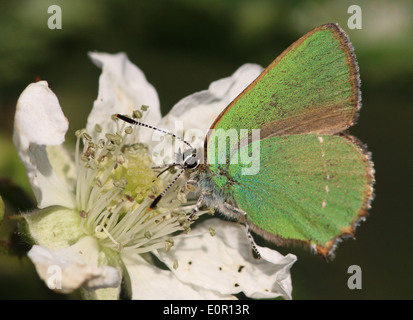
x,y
326,188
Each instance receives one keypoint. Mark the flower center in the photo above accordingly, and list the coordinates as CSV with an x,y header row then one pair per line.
x,y
115,188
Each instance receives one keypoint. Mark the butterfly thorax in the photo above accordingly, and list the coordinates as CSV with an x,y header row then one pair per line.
x,y
217,185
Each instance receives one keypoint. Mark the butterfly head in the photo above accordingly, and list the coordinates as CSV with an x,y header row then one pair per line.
x,y
189,159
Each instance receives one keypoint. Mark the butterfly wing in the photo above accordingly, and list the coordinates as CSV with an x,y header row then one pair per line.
x,y
312,87
306,190
310,188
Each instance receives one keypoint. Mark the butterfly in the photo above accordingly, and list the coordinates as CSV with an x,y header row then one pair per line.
x,y
311,182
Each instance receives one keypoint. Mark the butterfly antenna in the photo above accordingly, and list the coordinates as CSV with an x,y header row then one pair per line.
x,y
167,168
138,123
159,197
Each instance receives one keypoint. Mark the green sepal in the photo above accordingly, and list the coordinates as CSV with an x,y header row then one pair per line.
x,y
54,227
100,294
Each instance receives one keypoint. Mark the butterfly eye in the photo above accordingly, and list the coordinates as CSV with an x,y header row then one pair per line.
x,y
191,161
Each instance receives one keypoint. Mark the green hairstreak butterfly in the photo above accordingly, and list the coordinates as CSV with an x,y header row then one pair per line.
x,y
313,182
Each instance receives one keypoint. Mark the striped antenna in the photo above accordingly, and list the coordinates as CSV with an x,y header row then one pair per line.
x,y
138,123
159,197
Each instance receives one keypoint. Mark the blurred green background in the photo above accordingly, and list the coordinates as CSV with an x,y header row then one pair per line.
x,y
182,46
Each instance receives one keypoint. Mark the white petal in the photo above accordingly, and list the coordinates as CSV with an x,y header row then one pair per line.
x,y
63,163
39,122
39,117
151,283
67,269
122,88
283,283
224,263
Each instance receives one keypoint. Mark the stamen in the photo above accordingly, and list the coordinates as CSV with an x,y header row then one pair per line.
x,y
107,234
114,184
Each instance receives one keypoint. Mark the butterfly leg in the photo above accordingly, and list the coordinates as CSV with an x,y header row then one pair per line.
x,y
234,211
238,212
192,183
197,206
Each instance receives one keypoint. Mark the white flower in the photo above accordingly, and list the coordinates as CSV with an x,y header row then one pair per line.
x,y
93,226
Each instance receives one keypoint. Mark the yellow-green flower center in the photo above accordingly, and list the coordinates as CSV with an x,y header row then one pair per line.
x,y
115,188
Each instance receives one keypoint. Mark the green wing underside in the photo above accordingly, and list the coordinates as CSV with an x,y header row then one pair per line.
x,y
313,184
311,188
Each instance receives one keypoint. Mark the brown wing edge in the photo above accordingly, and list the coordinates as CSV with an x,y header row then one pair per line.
x,y
351,59
327,250
354,69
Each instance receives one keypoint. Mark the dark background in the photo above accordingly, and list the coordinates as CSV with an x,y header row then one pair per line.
x,y
182,46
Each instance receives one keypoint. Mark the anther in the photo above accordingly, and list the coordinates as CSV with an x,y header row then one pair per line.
x,y
137,114
128,130
212,231
168,244
98,128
